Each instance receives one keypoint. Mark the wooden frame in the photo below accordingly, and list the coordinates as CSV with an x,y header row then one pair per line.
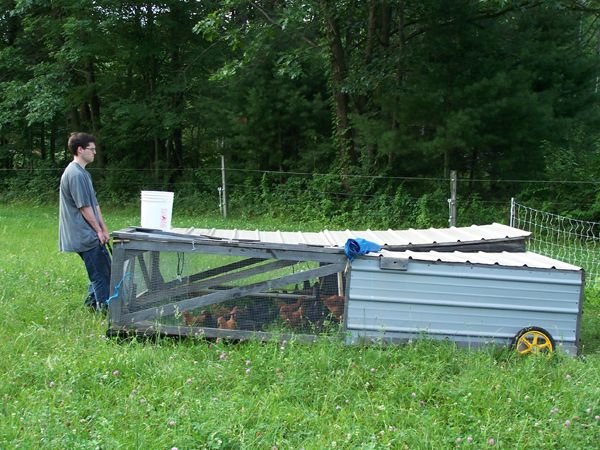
x,y
140,250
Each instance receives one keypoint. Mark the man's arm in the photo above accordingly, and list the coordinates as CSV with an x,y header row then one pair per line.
x,y
88,214
102,224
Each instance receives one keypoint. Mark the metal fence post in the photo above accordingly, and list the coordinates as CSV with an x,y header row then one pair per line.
x,y
512,212
452,199
224,189
220,190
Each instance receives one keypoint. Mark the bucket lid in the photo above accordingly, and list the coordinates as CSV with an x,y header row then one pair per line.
x,y
158,194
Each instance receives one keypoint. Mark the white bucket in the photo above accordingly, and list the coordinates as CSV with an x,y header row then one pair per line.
x,y
157,209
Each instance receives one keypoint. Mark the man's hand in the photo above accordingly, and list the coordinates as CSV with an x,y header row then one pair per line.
x,y
103,237
99,227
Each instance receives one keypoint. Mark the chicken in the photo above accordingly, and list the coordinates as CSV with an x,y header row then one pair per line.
x,y
246,318
293,318
237,311
314,309
335,304
220,310
201,319
293,313
285,309
229,324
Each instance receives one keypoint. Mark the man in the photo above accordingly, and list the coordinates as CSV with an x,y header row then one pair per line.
x,y
81,228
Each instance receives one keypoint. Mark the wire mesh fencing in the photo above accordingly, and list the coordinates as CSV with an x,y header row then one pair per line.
x,y
209,291
570,240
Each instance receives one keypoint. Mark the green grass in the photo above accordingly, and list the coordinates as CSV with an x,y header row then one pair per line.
x,y
64,385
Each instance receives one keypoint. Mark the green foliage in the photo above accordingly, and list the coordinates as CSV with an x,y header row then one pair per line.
x,y
476,210
495,90
574,166
37,184
360,203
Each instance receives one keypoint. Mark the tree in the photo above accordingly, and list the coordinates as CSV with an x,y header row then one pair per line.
x,y
367,87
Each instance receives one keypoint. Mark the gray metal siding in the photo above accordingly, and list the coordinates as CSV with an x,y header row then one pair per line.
x,y
462,300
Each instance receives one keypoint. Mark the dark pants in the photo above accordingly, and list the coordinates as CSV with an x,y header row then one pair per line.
x,y
97,263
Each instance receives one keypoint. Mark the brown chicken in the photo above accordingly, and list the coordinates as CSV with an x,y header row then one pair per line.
x,y
200,319
220,310
238,311
285,309
229,324
293,313
335,304
293,318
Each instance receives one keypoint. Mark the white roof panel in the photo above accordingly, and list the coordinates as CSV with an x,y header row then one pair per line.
x,y
388,238
506,259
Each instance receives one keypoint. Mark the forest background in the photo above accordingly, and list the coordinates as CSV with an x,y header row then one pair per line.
x,y
321,108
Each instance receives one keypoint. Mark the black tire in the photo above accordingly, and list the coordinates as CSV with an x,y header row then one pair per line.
x,y
533,340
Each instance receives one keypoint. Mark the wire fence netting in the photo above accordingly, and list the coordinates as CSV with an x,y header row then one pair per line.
x,y
570,240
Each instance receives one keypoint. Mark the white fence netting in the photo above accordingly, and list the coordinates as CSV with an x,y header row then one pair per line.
x,y
573,241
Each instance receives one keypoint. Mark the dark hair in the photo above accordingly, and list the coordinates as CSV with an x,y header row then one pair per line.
x,y
78,139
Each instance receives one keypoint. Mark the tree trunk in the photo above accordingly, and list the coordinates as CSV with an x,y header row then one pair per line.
x,y
386,22
156,157
371,30
94,108
29,147
84,116
43,153
473,167
53,141
178,147
5,159
338,76
74,120
178,107
446,163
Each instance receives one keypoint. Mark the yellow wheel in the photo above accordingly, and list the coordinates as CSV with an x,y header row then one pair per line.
x,y
533,340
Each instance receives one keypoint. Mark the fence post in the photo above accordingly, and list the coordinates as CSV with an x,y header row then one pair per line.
x,y
220,190
224,189
452,199
512,212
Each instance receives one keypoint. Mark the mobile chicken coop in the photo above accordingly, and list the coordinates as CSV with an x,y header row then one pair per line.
x,y
473,285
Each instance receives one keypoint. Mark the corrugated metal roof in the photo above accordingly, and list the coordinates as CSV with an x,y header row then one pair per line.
x,y
507,259
387,238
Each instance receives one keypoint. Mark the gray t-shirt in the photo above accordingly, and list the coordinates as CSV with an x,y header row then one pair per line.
x,y
76,191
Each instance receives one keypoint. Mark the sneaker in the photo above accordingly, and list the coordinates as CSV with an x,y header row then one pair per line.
x,y
90,301
94,305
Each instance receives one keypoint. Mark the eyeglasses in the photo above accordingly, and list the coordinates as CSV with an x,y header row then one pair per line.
x,y
93,149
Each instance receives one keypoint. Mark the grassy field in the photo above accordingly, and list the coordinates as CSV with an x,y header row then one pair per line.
x,y
63,384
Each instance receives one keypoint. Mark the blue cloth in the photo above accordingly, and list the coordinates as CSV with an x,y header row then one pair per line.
x,y
359,246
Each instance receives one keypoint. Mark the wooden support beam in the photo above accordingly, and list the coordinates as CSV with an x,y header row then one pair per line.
x,y
201,286
150,328
248,250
